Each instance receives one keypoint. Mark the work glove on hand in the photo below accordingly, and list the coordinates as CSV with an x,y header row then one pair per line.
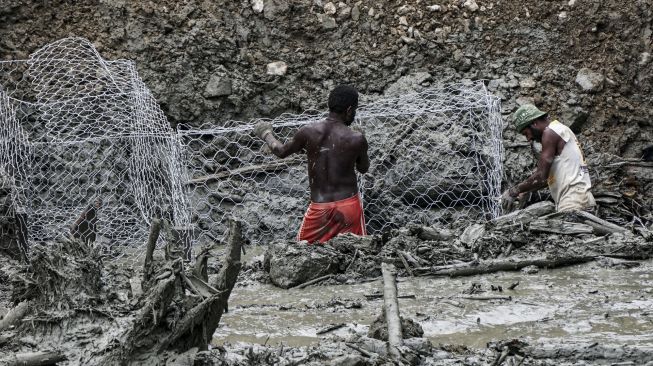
x,y
507,200
262,129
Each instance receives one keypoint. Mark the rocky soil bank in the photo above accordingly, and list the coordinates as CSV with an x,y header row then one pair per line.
x,y
587,61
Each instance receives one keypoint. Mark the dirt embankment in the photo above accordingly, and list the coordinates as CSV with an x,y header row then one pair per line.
x,y
206,61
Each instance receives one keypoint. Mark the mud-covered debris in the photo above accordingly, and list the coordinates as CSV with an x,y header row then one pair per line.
x,y
409,328
291,264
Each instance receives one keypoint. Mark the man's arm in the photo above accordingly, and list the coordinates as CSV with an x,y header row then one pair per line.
x,y
538,179
296,144
363,161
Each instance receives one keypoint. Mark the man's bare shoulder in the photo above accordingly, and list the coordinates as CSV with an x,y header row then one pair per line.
x,y
550,136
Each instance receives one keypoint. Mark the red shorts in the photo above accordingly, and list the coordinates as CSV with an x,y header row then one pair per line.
x,y
325,220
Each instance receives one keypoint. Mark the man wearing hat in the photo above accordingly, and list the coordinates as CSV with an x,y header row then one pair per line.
x,y
561,165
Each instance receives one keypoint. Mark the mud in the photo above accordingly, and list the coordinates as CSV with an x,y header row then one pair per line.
x,y
91,308
207,62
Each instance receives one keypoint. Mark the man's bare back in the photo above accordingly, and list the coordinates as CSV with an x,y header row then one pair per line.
x,y
334,151
334,154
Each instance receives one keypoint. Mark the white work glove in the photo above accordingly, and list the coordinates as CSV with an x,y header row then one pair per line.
x,y
507,199
262,129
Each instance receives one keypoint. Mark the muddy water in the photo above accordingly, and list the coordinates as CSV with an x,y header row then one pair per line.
x,y
585,303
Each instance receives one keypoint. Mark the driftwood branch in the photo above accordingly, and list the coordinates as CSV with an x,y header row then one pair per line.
x,y
41,358
14,315
525,215
589,352
405,263
485,298
474,268
313,281
601,226
200,269
197,326
557,226
362,351
330,328
266,167
155,229
391,310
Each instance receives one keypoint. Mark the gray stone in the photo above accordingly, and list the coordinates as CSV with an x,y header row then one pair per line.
x,y
355,13
405,9
530,270
408,83
348,360
327,21
407,40
528,83
472,233
495,83
329,8
589,80
471,5
295,263
434,8
421,345
257,6
277,68
344,12
644,58
218,86
274,8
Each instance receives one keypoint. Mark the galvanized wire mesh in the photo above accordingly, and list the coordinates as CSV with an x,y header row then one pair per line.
x,y
435,157
76,128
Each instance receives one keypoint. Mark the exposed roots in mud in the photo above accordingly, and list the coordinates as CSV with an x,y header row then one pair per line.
x,y
61,300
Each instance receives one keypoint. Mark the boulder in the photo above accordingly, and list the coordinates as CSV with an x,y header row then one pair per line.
x,y
590,81
291,264
277,68
218,86
471,5
257,6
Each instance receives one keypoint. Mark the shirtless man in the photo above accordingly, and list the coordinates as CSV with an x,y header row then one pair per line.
x,y
334,153
561,165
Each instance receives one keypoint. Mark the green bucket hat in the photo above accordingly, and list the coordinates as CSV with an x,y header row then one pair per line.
x,y
526,114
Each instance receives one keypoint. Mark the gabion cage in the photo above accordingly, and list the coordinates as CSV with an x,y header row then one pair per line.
x,y
436,156
76,129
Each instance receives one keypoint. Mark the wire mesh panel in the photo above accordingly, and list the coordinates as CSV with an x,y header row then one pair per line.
x,y
435,157
83,142
99,157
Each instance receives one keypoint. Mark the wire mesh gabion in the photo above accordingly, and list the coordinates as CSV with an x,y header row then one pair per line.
x,y
436,156
76,129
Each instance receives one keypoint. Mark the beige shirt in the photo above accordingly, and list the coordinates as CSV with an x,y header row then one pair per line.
x,y
569,179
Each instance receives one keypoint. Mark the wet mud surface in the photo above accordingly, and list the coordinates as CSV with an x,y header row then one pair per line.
x,y
515,288
586,303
